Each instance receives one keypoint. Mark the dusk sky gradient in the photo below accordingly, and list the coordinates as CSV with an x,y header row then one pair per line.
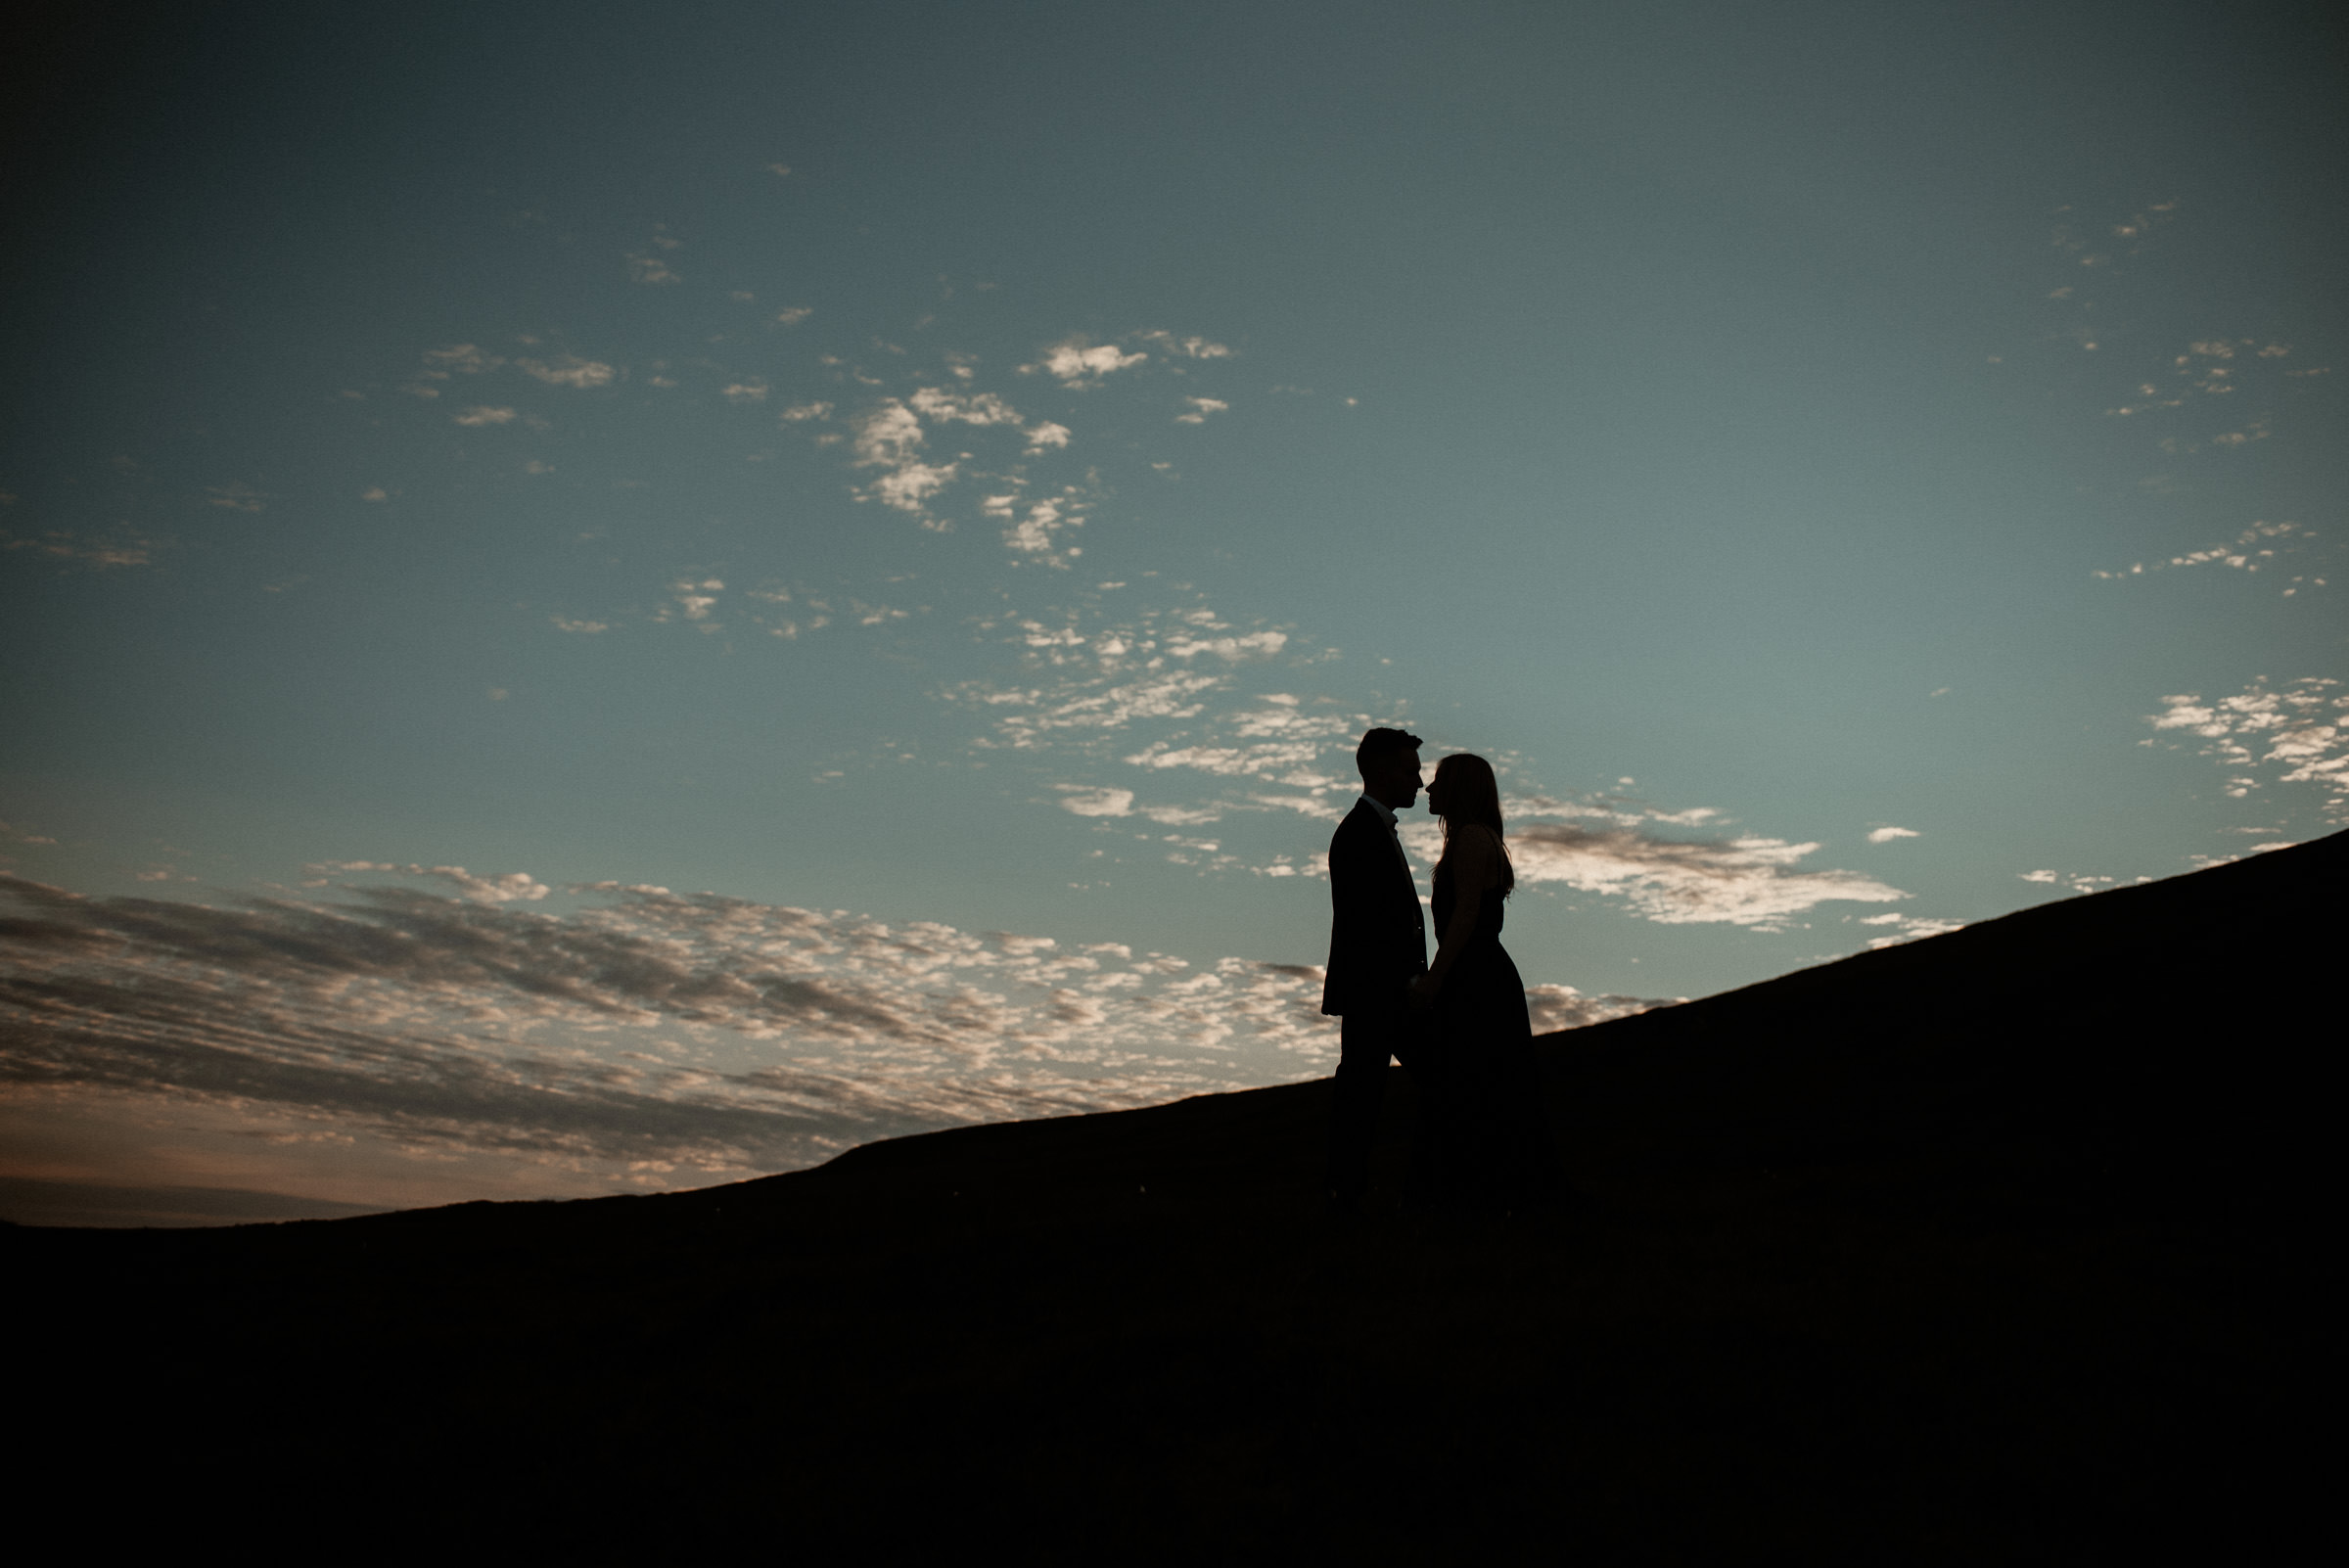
x,y
604,598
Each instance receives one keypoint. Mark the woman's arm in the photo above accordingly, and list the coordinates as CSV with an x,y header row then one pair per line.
x,y
1472,872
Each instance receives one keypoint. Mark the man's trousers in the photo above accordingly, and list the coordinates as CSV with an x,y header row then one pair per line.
x,y
1366,1042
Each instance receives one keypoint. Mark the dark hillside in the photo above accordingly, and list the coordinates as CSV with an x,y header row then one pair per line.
x,y
2001,1246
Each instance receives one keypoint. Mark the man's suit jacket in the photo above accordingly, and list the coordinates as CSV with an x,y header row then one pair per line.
x,y
1378,932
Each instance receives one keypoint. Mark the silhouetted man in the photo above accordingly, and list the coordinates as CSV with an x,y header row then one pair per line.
x,y
1377,941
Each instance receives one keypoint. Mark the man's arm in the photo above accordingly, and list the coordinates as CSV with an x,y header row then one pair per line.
x,y
1347,932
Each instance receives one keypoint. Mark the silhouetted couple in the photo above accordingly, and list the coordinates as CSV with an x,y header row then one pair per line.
x,y
1458,1026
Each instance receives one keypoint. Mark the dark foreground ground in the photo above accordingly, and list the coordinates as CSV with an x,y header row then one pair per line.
x,y
2003,1247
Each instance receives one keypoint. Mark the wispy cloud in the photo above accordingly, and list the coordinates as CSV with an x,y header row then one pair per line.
x,y
1746,881
2076,881
1091,679
1886,835
1556,1007
483,416
1908,928
1200,408
65,548
707,1033
570,371
459,359
1190,346
504,888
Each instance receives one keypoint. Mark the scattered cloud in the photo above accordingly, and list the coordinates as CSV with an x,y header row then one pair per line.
x,y
746,391
1885,835
236,497
481,416
1200,408
650,269
967,408
694,598
1075,363
887,435
2208,368
908,485
1086,801
2256,547
802,413
1035,533
2298,734
793,316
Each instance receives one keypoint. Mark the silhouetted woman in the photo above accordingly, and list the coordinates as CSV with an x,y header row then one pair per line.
x,y
1496,1149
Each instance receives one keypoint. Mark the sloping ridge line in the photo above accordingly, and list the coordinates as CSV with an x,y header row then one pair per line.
x,y
2130,981
2159,1002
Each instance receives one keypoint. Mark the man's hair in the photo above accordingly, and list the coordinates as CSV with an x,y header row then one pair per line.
x,y
1378,745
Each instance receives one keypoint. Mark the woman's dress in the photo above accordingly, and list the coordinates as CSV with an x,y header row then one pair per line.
x,y
1496,1149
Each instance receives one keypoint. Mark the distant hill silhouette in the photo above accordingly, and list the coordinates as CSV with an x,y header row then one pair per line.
x,y
2001,1246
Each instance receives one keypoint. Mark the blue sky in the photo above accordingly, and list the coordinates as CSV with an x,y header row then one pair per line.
x,y
599,599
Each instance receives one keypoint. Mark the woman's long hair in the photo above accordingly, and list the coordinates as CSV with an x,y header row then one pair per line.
x,y
1474,796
